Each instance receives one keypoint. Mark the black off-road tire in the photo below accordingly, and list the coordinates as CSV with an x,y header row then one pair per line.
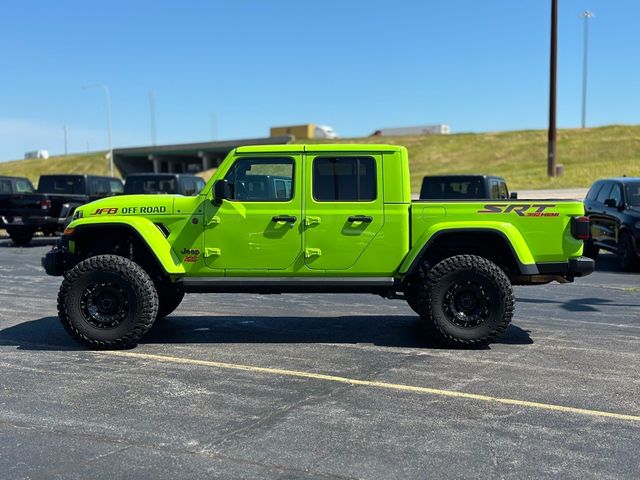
x,y
49,231
414,303
627,258
468,299
169,298
590,250
20,236
107,302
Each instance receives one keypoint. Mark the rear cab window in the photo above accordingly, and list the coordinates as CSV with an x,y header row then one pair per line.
x,y
62,185
344,179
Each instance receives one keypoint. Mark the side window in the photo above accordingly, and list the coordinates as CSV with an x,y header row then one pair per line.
x,y
24,186
262,179
616,194
188,187
593,192
504,193
495,189
5,186
344,179
116,186
604,193
200,183
100,186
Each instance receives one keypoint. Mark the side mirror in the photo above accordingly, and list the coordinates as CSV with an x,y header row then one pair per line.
x,y
222,191
513,195
611,203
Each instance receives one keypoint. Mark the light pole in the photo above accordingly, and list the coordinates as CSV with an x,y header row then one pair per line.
x,y
107,94
553,57
585,65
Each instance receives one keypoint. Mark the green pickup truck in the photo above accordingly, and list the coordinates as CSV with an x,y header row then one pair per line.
x,y
311,219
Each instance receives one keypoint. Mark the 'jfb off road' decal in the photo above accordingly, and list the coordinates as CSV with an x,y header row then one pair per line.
x,y
522,210
105,211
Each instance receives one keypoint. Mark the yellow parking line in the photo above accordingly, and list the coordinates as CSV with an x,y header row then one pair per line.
x,y
371,383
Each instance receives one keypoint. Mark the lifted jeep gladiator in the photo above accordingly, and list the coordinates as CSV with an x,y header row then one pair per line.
x,y
312,219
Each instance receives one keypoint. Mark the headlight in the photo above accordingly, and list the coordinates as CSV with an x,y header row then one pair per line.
x,y
638,225
77,214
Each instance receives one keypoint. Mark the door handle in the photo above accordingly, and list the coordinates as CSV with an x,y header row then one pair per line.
x,y
284,218
360,218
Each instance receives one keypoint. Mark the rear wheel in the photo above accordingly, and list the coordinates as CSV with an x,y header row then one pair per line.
x,y
467,300
21,236
627,257
590,250
107,301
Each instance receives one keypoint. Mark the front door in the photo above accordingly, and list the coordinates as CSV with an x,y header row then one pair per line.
x,y
343,209
259,228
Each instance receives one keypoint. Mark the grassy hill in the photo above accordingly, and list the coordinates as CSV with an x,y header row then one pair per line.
x,y
518,156
94,162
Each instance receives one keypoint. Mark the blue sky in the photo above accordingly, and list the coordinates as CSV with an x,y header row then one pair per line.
x,y
355,65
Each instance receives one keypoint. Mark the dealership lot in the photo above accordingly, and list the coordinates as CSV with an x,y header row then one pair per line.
x,y
311,386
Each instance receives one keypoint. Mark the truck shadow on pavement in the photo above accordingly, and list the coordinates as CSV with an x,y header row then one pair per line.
x,y
382,331
580,304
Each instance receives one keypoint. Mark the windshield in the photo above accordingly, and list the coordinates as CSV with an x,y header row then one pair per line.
x,y
633,194
151,184
451,188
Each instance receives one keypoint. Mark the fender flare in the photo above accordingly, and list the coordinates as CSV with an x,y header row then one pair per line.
x,y
148,234
512,237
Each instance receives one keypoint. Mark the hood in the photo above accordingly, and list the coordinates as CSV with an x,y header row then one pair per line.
x,y
635,211
141,205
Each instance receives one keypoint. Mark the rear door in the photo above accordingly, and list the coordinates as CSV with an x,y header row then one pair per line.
x,y
344,208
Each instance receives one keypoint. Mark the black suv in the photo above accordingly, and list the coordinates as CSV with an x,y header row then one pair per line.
x,y
613,207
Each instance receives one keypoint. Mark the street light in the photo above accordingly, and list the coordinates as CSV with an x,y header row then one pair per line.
x,y
107,94
585,64
552,170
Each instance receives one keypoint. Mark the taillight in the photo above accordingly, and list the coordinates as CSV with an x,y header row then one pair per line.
x,y
580,228
44,204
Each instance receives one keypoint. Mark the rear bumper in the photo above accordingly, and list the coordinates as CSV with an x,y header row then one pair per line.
x,y
574,267
29,221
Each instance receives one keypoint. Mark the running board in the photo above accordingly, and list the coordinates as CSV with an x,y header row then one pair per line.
x,y
287,284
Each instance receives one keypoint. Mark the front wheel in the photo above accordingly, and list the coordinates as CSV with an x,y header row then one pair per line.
x,y
467,300
169,298
107,301
627,257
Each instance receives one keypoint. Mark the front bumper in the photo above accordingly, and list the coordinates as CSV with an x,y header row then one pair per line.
x,y
57,261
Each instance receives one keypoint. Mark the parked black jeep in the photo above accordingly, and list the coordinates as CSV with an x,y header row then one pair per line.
x,y
50,208
613,207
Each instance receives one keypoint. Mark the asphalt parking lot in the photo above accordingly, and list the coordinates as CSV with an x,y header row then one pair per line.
x,y
310,386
